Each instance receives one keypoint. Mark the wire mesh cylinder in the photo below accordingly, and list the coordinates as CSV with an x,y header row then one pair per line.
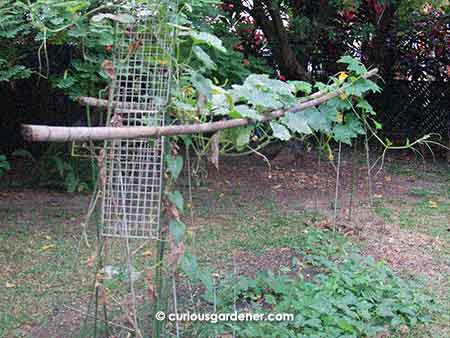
x,y
133,168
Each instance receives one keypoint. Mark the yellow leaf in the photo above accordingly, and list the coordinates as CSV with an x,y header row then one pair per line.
x,y
47,247
388,178
339,117
330,156
432,204
342,76
10,285
147,253
343,96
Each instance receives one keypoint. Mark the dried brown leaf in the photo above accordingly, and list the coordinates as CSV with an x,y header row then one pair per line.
x,y
214,156
108,68
176,251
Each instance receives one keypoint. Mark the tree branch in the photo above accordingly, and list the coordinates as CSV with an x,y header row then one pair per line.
x,y
102,103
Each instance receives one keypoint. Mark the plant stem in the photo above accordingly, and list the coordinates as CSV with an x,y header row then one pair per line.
x,y
369,176
336,196
352,188
175,308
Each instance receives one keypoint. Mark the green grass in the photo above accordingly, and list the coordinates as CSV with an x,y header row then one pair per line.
x,y
418,170
41,270
226,224
382,210
420,192
425,208
258,226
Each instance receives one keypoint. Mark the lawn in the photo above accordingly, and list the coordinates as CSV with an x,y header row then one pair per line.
x,y
266,239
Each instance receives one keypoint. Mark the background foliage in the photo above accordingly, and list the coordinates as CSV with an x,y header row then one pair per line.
x,y
51,48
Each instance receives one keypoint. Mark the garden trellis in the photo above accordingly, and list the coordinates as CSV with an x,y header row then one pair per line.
x,y
132,170
131,164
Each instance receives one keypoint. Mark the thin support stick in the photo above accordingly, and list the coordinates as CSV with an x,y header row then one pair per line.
x,y
336,196
159,286
96,311
88,315
316,181
191,294
100,247
91,208
175,307
214,302
191,206
235,273
129,262
369,176
354,173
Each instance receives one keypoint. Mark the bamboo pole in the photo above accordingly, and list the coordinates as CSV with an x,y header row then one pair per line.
x,y
103,104
41,133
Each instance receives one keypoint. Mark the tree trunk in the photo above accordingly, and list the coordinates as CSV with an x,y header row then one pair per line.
x,y
268,17
379,52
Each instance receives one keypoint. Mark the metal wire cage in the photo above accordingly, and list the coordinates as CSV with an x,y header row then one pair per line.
x,y
133,168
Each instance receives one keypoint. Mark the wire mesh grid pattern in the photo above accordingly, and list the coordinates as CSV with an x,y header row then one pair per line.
x,y
414,107
133,168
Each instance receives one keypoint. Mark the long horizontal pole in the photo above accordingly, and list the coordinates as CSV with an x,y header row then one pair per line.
x,y
41,133
103,103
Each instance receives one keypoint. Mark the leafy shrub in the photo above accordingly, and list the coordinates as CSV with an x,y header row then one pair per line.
x,y
4,165
358,297
57,168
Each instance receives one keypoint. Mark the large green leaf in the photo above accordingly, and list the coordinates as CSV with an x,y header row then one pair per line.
x,y
221,101
247,112
300,86
201,84
280,131
243,136
296,122
353,65
174,165
176,198
4,164
362,86
177,230
264,93
350,129
366,107
204,57
345,325
189,265
79,30
207,39
120,17
354,123
343,133
333,106
265,100
317,119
